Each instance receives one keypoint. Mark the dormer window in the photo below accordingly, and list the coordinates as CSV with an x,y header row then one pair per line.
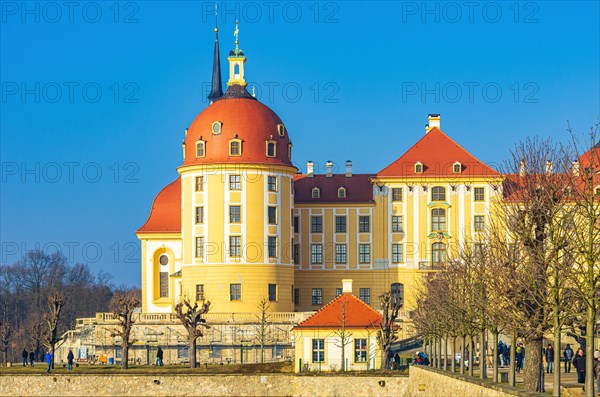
x,y
597,191
290,150
342,192
216,127
418,167
200,149
316,193
271,149
281,130
235,147
457,168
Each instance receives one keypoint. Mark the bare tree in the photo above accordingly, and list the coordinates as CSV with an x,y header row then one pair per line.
x,y
388,330
53,320
190,316
344,337
124,304
5,335
262,331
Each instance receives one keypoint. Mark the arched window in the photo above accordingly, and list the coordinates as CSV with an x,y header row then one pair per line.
x,y
418,167
200,149
457,168
342,192
163,276
438,193
281,129
290,150
271,152
235,147
438,253
438,220
316,193
236,70
397,290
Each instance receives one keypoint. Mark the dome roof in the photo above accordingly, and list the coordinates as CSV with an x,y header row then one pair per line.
x,y
240,117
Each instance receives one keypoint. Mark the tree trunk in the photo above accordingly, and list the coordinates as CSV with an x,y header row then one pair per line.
x,y
482,355
471,356
440,340
453,353
192,352
511,367
124,354
556,365
434,352
589,352
533,363
446,353
462,355
496,357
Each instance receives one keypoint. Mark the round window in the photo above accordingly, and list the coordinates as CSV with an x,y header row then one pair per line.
x,y
163,260
216,127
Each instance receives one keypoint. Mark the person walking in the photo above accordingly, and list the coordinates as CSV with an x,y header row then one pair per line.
x,y
25,355
396,361
579,364
568,355
31,357
549,358
159,357
70,358
49,357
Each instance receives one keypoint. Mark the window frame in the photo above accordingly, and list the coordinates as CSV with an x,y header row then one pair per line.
x,y
361,224
397,253
317,191
200,144
341,192
397,224
316,227
479,194
438,220
273,144
199,183
212,127
233,216
397,194
364,253
272,247
317,296
235,246
272,215
438,252
199,249
235,182
341,258
364,294
272,298
318,350
314,254
360,350
238,143
341,227
235,291
199,292
479,223
272,183
199,216
438,193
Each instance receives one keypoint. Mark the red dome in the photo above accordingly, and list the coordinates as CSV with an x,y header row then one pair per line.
x,y
243,118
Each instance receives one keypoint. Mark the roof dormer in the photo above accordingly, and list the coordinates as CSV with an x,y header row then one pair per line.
x,y
418,167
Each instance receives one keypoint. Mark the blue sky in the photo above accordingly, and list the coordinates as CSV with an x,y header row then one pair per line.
x,y
95,98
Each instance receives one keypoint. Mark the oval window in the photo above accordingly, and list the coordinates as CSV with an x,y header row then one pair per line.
x,y
163,260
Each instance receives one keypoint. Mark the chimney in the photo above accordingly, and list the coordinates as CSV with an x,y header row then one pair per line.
x,y
347,286
548,166
348,168
329,169
522,168
434,121
310,169
576,167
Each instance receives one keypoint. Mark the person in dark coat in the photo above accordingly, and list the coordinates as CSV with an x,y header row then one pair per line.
x,y
70,358
549,358
49,357
568,355
25,355
31,357
579,364
159,357
396,361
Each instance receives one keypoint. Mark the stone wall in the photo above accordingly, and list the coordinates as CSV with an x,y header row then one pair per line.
x,y
200,385
430,382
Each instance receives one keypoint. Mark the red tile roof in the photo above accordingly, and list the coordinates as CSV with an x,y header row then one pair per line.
x,y
358,188
165,216
358,314
438,153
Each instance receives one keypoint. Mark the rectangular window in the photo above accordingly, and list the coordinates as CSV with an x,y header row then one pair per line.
x,y
364,253
215,352
364,224
199,215
396,223
316,223
235,292
318,350
272,247
235,214
397,253
199,183
272,215
360,350
296,224
340,253
235,182
296,254
317,296
235,246
479,193
365,295
297,296
164,284
199,247
317,253
272,292
340,224
396,194
272,183
479,223
199,292
338,292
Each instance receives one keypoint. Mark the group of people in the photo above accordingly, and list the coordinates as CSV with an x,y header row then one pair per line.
x,y
420,358
29,358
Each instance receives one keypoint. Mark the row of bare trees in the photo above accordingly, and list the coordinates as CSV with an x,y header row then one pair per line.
x,y
534,272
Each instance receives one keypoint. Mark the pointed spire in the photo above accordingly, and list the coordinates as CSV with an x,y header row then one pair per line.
x,y
216,90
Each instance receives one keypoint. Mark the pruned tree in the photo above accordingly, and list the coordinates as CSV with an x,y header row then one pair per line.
x,y
388,330
191,316
53,321
344,336
262,329
124,303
